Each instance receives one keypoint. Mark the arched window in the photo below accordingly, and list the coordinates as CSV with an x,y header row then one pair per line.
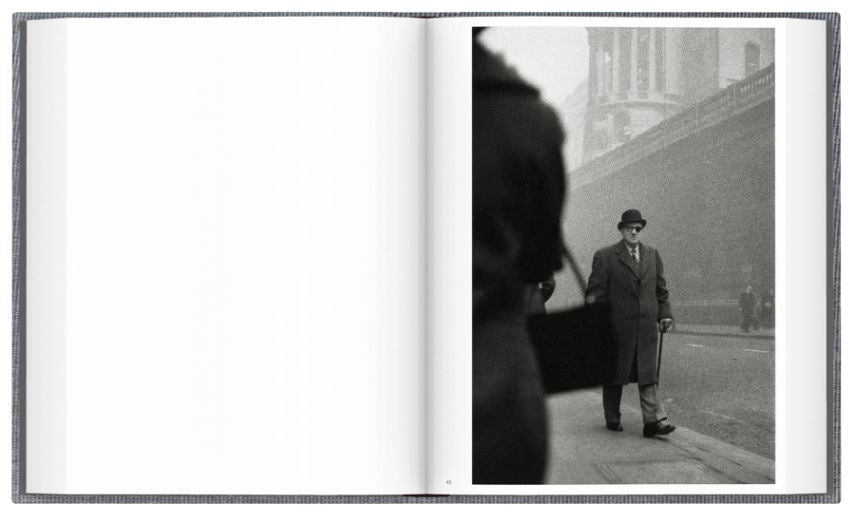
x,y
607,76
752,59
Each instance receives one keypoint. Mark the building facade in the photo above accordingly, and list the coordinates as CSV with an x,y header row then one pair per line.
x,y
639,76
680,124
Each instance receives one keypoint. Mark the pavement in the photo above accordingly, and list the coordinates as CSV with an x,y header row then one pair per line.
x,y
583,451
721,330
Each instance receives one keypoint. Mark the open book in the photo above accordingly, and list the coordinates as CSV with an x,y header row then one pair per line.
x,y
248,243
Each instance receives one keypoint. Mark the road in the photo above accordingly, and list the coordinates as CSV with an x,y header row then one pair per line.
x,y
722,387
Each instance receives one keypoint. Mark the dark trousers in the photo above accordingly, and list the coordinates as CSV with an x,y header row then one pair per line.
x,y
748,321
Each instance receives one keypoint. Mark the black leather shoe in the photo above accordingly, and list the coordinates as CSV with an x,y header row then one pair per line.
x,y
614,427
656,428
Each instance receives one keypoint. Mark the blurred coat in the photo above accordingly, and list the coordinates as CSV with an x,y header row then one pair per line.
x,y
518,190
639,299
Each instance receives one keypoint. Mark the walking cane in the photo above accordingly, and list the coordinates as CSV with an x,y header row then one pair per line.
x,y
660,352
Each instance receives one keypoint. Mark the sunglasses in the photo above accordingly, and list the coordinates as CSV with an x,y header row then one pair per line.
x,y
637,229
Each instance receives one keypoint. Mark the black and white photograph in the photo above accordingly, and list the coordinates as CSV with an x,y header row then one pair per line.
x,y
624,255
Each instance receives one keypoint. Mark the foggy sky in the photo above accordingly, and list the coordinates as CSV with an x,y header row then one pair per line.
x,y
554,59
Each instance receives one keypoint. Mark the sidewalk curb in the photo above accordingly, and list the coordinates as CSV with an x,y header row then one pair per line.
x,y
722,334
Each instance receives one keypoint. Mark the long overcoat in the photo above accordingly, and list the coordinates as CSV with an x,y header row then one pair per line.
x,y
638,298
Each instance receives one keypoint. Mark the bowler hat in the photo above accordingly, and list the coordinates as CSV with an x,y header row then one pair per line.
x,y
631,216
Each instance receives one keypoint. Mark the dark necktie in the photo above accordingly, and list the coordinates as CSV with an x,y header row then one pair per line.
x,y
635,256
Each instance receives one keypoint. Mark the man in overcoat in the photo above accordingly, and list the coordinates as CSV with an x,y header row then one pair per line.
x,y
629,277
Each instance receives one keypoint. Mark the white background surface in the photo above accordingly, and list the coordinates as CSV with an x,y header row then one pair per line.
x,y
243,232
425,5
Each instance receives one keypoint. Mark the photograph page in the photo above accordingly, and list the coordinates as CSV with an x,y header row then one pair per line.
x,y
622,211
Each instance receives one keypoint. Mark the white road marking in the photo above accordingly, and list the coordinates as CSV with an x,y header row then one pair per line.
x,y
694,345
727,417
718,414
756,351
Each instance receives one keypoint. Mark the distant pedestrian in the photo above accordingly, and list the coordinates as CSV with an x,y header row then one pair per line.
x,y
767,309
629,277
747,309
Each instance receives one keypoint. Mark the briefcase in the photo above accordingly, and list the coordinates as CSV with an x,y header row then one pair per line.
x,y
575,348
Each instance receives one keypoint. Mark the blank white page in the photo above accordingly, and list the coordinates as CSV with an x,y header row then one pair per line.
x,y
225,264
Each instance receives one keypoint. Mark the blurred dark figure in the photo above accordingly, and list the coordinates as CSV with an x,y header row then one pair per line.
x,y
518,191
767,309
747,309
